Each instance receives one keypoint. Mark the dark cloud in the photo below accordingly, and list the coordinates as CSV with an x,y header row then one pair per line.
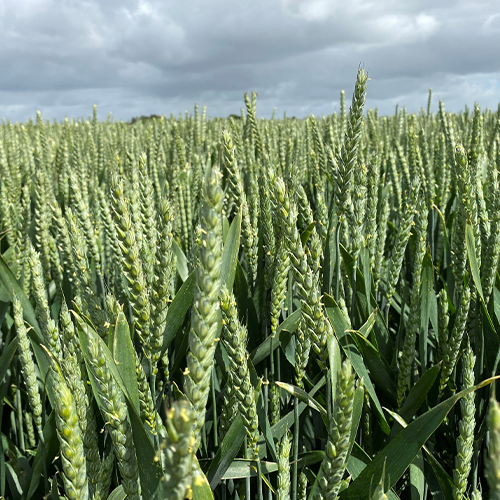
x,y
139,57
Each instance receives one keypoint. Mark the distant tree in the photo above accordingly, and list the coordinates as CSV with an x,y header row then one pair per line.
x,y
144,118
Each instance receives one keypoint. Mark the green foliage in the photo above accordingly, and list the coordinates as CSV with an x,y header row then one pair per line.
x,y
251,308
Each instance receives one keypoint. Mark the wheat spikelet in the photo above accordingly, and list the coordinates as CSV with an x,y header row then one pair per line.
x,y
204,317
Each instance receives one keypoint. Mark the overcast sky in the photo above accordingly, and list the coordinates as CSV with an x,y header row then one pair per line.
x,y
138,57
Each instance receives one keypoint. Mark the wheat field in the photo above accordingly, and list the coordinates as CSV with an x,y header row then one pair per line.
x,y
251,308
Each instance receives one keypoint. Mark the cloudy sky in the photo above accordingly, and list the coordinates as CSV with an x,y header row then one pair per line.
x,y
137,57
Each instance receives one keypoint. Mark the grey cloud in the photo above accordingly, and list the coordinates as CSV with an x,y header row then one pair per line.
x,y
139,57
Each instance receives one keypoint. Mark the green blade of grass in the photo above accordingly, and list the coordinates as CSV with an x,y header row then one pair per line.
x,y
178,310
419,392
241,468
265,427
304,397
199,485
227,451
124,358
117,494
341,328
231,251
379,368
357,412
290,324
6,357
304,237
400,452
181,260
445,481
369,324
426,290
417,478
357,462
471,253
